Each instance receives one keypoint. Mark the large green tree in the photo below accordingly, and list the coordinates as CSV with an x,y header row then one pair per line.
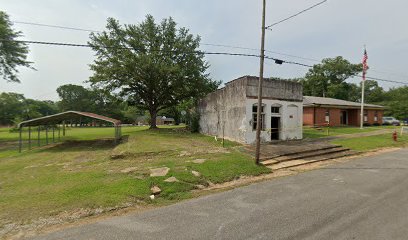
x,y
153,65
75,98
12,52
327,79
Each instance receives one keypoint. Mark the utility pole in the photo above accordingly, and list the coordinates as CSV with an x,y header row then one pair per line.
x,y
261,73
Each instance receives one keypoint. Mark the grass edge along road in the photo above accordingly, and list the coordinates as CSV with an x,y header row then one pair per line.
x,y
79,177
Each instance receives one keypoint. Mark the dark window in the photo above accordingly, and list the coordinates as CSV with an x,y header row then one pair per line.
x,y
275,110
254,117
365,116
376,116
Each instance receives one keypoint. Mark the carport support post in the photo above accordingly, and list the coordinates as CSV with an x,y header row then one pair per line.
x,y
38,137
20,143
63,128
59,133
46,134
53,134
29,138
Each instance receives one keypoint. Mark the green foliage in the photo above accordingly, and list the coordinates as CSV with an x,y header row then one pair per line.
x,y
154,66
327,79
15,107
396,99
13,54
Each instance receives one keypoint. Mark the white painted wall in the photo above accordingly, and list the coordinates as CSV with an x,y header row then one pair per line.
x,y
291,120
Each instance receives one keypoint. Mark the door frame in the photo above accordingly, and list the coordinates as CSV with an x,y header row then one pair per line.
x,y
279,128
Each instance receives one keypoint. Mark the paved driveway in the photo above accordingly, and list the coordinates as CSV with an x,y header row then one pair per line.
x,y
361,199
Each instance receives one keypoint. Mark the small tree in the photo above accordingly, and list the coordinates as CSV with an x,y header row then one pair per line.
x,y
154,66
12,52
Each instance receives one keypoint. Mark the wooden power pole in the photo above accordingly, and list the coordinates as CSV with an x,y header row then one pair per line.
x,y
259,120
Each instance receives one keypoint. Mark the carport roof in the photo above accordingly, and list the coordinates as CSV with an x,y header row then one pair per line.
x,y
58,118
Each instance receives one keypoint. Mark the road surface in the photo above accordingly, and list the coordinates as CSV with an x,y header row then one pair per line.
x,y
361,199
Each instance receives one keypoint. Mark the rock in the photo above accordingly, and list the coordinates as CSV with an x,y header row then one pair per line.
x,y
199,161
200,186
195,173
155,190
152,197
159,172
129,170
120,155
171,180
184,153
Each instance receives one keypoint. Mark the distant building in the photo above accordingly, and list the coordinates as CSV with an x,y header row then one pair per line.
x,y
160,120
322,111
232,110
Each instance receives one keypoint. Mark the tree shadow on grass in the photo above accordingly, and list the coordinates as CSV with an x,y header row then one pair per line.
x,y
84,145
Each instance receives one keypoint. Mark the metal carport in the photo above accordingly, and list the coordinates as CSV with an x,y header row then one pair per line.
x,y
61,118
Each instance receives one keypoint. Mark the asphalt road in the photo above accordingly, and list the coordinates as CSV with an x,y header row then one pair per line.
x,y
362,199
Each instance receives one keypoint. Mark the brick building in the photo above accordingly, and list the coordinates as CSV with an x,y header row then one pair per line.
x,y
318,111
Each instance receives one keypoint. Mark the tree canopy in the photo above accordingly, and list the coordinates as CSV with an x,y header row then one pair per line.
x,y
327,79
12,52
154,66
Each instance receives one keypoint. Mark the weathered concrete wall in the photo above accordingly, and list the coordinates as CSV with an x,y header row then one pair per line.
x,y
275,89
224,111
291,120
230,110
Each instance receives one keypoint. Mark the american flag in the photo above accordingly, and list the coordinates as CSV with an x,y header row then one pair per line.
x,y
365,66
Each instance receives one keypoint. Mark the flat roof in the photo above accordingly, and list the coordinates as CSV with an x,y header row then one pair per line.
x,y
59,117
313,101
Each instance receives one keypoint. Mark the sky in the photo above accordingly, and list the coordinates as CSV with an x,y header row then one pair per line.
x,y
335,28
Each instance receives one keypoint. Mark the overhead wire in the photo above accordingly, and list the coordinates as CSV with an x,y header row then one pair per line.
x,y
295,15
192,52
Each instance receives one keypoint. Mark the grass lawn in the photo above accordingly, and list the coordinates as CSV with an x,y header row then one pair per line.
x,y
80,173
372,142
309,132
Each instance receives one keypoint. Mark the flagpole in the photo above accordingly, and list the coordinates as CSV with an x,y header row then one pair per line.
x,y
365,67
362,104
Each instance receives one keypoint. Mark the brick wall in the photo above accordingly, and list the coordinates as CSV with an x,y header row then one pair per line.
x,y
308,116
353,116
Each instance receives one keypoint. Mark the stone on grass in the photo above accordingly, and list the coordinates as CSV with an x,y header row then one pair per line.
x,y
128,170
159,172
155,190
171,180
152,197
195,173
200,186
199,161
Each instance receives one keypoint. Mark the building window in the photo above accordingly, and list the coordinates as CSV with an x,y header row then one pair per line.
x,y
376,116
254,117
365,116
275,110
327,116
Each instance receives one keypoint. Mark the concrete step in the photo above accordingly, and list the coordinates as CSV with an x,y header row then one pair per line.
x,y
300,162
311,154
271,155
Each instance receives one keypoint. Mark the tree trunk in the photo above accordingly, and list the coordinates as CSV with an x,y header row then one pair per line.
x,y
153,115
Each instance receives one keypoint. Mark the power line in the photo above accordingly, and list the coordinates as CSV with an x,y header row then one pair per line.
x,y
212,44
294,15
204,44
55,26
278,61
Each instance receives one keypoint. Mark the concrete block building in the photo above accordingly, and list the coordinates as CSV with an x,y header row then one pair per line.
x,y
232,111
319,111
